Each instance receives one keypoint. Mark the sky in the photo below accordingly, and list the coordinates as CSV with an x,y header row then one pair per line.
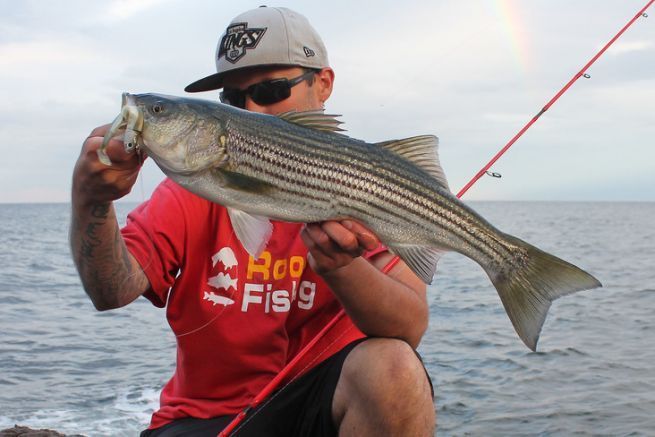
x,y
471,72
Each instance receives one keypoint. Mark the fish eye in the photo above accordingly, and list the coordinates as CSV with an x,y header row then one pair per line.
x,y
157,108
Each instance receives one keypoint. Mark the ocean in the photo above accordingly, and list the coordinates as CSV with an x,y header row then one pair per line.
x,y
67,367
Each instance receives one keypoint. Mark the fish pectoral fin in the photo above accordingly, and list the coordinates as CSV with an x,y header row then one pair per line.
x,y
316,119
252,231
241,182
421,260
422,151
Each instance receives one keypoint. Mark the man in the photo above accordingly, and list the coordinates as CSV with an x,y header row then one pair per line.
x,y
238,321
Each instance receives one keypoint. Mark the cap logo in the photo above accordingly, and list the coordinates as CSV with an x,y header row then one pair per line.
x,y
309,52
238,37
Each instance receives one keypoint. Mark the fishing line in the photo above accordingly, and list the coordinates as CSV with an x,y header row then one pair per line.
x,y
142,159
237,421
578,75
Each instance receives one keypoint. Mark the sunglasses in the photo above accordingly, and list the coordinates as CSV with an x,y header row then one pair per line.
x,y
263,93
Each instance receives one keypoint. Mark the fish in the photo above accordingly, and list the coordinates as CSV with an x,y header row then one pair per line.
x,y
300,167
217,299
223,280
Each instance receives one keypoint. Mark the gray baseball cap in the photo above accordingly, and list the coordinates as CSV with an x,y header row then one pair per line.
x,y
265,36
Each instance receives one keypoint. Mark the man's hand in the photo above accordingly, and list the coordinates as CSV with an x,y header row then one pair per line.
x,y
96,183
381,305
110,274
333,244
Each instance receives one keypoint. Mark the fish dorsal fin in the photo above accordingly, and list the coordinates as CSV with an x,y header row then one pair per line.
x,y
421,260
421,151
316,119
252,231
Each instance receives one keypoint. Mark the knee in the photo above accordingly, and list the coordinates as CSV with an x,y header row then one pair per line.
x,y
388,371
384,388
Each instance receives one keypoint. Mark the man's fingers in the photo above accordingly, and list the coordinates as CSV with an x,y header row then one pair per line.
x,y
115,149
335,244
100,131
345,236
342,237
366,239
316,239
319,259
117,153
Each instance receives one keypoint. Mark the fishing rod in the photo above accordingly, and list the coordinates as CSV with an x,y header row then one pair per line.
x,y
582,73
286,371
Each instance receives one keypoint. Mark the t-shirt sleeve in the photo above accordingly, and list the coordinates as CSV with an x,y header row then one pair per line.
x,y
154,235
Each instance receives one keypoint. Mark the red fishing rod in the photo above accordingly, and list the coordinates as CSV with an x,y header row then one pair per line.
x,y
286,371
578,75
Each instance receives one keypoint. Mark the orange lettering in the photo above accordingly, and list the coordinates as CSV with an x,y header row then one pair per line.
x,y
296,266
280,269
263,267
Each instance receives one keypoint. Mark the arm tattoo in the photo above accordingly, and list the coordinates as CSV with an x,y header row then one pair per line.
x,y
90,239
101,210
103,262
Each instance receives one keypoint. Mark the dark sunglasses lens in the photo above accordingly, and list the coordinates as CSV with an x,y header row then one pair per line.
x,y
233,97
274,91
263,93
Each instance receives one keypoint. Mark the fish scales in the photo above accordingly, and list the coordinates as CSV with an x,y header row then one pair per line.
x,y
327,183
360,173
352,161
434,214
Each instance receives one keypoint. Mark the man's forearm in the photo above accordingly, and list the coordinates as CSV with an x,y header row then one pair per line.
x,y
110,275
379,304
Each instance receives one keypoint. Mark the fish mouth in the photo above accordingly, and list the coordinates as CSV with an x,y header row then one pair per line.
x,y
130,119
133,122
170,157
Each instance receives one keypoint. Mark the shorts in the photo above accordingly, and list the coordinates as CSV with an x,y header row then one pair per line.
x,y
303,408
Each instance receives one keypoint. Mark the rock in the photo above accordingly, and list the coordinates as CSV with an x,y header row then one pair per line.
x,y
24,431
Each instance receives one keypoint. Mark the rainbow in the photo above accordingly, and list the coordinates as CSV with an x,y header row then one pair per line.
x,y
508,13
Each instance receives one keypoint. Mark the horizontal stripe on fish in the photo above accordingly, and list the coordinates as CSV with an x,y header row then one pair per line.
x,y
304,157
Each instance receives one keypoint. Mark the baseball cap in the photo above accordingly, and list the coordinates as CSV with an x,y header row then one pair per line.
x,y
266,36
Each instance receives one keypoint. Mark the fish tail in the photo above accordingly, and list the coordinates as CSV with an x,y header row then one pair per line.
x,y
528,289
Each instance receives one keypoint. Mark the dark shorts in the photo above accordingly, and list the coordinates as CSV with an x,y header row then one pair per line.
x,y
303,408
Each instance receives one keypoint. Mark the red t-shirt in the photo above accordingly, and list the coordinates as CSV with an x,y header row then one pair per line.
x,y
238,321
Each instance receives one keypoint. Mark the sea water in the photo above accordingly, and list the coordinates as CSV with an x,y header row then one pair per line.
x,y
65,366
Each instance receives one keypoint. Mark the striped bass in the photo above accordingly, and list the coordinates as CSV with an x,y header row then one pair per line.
x,y
296,167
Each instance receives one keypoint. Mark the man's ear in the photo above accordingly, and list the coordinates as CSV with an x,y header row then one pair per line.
x,y
324,81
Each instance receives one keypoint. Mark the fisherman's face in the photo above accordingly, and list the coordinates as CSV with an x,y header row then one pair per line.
x,y
304,97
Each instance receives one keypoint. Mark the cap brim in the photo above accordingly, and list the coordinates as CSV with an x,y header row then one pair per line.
x,y
215,81
209,83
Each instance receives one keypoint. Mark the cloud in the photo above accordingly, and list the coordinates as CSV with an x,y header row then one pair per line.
x,y
445,68
620,48
18,56
124,9
504,117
